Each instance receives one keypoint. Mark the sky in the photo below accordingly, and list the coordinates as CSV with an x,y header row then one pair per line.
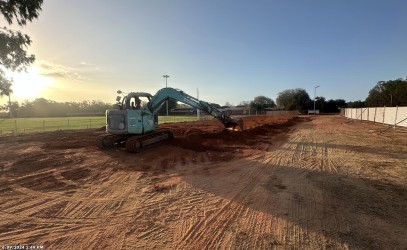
x,y
232,51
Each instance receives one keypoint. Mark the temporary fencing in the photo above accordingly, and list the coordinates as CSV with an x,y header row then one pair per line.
x,y
29,125
11,126
394,116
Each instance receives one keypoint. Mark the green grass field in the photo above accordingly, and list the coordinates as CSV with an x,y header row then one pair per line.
x,y
28,125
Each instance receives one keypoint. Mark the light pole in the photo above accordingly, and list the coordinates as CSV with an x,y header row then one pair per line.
x,y
391,100
166,102
315,96
9,105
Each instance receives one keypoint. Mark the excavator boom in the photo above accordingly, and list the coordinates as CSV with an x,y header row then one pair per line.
x,y
166,93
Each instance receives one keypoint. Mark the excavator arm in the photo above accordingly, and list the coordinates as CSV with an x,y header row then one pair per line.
x,y
169,93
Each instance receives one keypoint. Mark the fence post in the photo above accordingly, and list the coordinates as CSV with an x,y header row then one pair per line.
x,y
384,112
367,118
375,110
361,114
15,125
68,123
43,125
90,123
395,118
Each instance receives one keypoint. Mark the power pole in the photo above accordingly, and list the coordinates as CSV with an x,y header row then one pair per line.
x,y
166,102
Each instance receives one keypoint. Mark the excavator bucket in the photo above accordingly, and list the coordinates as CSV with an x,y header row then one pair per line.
x,y
234,124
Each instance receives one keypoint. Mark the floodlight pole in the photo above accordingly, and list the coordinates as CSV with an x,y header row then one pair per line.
x,y
9,105
315,96
166,102
391,100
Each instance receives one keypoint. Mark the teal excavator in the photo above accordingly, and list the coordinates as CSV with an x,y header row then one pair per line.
x,y
136,127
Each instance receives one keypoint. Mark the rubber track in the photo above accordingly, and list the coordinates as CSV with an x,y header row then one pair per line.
x,y
142,138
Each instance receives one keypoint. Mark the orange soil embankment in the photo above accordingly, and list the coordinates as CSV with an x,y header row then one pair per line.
x,y
211,135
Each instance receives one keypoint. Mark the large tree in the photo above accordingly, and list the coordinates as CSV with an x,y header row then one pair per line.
x,y
388,93
356,104
13,44
172,104
293,99
261,102
5,85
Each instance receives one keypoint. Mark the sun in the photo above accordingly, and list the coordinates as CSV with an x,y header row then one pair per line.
x,y
30,84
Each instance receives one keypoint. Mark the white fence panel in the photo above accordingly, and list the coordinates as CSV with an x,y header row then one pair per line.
x,y
390,116
380,114
354,113
365,114
385,115
402,117
372,114
358,113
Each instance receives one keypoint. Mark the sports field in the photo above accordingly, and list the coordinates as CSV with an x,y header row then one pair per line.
x,y
28,125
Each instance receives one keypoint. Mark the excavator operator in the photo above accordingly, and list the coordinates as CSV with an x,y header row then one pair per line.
x,y
138,104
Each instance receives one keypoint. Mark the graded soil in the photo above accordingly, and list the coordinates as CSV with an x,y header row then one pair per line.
x,y
322,182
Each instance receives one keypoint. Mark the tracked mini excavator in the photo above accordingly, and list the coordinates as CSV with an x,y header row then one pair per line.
x,y
136,127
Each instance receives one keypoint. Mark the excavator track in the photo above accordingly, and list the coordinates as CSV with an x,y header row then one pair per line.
x,y
110,141
136,143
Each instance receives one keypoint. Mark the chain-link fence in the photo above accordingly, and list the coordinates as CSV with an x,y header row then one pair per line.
x,y
29,125
14,126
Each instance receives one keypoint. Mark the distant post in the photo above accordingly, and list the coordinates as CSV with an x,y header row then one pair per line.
x,y
9,105
166,102
197,110
315,96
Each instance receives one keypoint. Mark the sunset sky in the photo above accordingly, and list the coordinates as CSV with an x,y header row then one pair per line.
x,y
231,50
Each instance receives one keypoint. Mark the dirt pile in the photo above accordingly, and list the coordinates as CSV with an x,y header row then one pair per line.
x,y
211,135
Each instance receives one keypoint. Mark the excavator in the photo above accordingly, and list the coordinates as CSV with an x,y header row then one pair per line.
x,y
136,127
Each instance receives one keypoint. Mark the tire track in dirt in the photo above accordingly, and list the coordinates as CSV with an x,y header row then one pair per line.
x,y
81,206
217,223
302,152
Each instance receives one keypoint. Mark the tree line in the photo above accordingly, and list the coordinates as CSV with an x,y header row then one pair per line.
x,y
42,107
384,93
389,93
295,99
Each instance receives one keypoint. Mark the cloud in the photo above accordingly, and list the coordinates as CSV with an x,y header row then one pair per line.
x,y
53,74
77,72
88,65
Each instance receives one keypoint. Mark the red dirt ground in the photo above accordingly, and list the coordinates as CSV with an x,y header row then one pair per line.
x,y
313,183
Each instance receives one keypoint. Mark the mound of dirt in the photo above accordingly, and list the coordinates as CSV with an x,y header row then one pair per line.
x,y
211,135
